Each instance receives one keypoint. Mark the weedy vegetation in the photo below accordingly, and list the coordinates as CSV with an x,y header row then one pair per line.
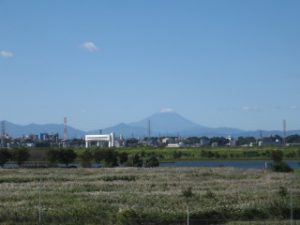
x,y
147,196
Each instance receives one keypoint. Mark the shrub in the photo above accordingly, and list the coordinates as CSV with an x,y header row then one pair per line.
x,y
280,167
118,178
128,217
207,154
283,192
66,156
187,193
135,161
277,156
209,194
250,154
110,158
123,157
20,155
85,158
53,155
5,156
152,161
99,155
177,155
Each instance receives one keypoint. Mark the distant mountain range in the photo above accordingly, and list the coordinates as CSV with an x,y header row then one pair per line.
x,y
163,124
15,130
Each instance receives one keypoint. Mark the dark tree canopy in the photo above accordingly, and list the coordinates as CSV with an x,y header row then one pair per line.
x,y
20,155
86,158
277,156
53,155
293,138
245,140
67,156
152,161
123,157
5,156
110,158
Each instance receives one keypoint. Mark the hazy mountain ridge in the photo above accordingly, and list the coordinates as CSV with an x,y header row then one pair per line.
x,y
161,124
165,122
122,129
16,130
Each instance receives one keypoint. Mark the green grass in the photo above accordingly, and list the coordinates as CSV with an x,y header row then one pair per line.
x,y
220,153
145,196
270,222
182,154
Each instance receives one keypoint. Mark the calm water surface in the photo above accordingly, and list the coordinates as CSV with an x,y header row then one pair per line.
x,y
242,164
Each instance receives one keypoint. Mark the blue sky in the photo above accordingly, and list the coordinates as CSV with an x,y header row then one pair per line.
x,y
218,63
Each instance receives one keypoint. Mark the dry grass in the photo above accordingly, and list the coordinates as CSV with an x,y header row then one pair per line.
x,y
97,196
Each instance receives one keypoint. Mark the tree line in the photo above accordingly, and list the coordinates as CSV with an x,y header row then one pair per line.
x,y
67,156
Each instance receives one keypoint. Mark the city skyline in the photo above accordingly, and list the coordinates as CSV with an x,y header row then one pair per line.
x,y
219,64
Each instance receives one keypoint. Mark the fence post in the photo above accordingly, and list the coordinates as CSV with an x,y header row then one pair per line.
x,y
291,203
40,210
187,215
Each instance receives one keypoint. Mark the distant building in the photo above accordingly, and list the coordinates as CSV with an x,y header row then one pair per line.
x,y
204,141
169,140
43,136
99,138
175,145
214,144
231,141
30,145
269,141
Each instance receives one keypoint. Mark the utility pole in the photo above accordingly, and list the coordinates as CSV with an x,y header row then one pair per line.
x,y
65,132
284,132
149,129
2,133
291,203
40,206
187,215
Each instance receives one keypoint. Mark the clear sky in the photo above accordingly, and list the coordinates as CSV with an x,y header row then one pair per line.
x,y
218,63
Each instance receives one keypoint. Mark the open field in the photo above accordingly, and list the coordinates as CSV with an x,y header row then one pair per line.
x,y
146,196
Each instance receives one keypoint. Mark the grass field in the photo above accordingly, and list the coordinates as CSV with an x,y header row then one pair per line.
x,y
146,196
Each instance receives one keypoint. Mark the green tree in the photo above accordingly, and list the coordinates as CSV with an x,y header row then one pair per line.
x,y
293,138
67,156
99,155
277,156
135,161
123,157
53,155
110,158
278,165
152,161
5,156
86,158
20,155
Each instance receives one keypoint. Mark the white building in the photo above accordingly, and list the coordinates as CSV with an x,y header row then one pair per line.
x,y
110,138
